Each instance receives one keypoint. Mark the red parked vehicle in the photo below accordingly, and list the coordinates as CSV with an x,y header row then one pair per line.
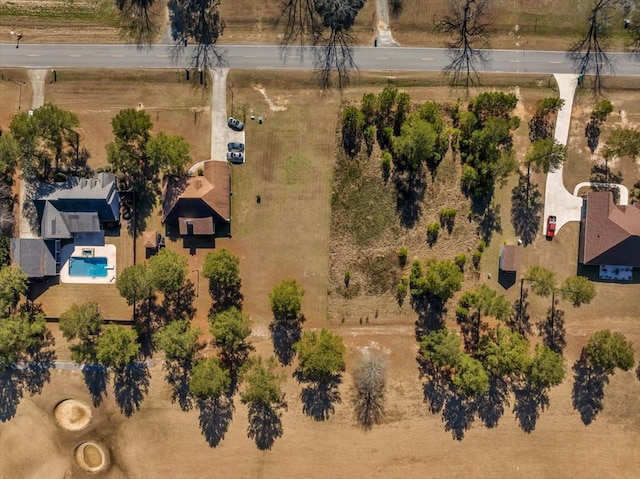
x,y
551,226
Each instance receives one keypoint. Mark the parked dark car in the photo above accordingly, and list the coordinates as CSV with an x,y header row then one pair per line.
x,y
235,146
235,124
235,157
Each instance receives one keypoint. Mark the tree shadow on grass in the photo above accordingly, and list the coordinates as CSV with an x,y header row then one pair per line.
x,y
431,313
11,391
215,416
319,398
180,305
588,389
29,376
178,376
265,425
436,387
130,386
283,338
491,405
96,377
530,402
458,414
526,210
410,190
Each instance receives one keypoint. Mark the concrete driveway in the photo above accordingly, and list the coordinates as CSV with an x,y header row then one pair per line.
x,y
558,201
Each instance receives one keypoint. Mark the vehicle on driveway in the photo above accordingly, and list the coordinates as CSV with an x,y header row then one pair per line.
x,y
235,124
235,146
235,157
551,226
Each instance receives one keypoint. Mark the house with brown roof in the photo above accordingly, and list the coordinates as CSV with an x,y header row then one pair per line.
x,y
609,233
198,205
509,259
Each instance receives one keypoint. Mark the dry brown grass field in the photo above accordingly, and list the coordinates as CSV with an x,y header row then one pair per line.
x,y
290,164
517,24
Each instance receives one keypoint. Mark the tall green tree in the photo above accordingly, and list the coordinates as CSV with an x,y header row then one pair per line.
x,y
222,269
320,355
13,285
134,283
607,351
440,280
543,281
504,353
546,368
127,153
209,380
20,336
470,378
169,152
230,330
578,290
9,155
476,304
286,301
179,340
544,155
441,349
417,144
262,383
82,322
117,346
168,271
352,130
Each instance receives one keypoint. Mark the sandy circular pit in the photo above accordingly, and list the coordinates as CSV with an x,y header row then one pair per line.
x,y
91,457
72,415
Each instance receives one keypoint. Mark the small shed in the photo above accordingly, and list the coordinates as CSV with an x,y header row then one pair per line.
x,y
152,241
510,259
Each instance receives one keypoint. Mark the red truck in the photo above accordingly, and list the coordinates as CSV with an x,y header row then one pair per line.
x,y
551,226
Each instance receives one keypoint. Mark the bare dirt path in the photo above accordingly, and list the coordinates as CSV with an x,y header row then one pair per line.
x,y
384,38
37,78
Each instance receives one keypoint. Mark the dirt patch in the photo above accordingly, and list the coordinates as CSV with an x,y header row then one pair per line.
x,y
91,457
72,415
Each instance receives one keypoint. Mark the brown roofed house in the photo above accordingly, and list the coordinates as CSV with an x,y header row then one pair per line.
x,y
609,233
510,259
199,205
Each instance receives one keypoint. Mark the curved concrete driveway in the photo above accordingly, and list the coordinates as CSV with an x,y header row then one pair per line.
x,y
558,201
623,190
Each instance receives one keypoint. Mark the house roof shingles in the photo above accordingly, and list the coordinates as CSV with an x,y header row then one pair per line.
x,y
510,258
36,257
611,232
199,196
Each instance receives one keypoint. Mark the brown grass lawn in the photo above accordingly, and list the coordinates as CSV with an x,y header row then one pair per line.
x,y
59,21
11,82
290,164
542,25
96,96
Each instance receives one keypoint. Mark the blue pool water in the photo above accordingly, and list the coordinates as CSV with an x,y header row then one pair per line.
x,y
92,267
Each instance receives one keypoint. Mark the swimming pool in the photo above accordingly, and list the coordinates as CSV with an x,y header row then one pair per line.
x,y
92,267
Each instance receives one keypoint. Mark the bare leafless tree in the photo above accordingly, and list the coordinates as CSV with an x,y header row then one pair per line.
x,y
369,383
198,21
300,21
325,24
468,26
140,19
588,54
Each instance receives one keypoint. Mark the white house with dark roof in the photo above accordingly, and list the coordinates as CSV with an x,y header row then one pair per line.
x,y
77,209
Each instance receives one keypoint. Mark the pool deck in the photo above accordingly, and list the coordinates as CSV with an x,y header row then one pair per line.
x,y
107,251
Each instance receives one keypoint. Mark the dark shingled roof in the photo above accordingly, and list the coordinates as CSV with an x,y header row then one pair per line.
x,y
36,257
199,197
510,258
611,232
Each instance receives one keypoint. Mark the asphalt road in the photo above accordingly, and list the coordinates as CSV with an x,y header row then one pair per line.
x,y
271,56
